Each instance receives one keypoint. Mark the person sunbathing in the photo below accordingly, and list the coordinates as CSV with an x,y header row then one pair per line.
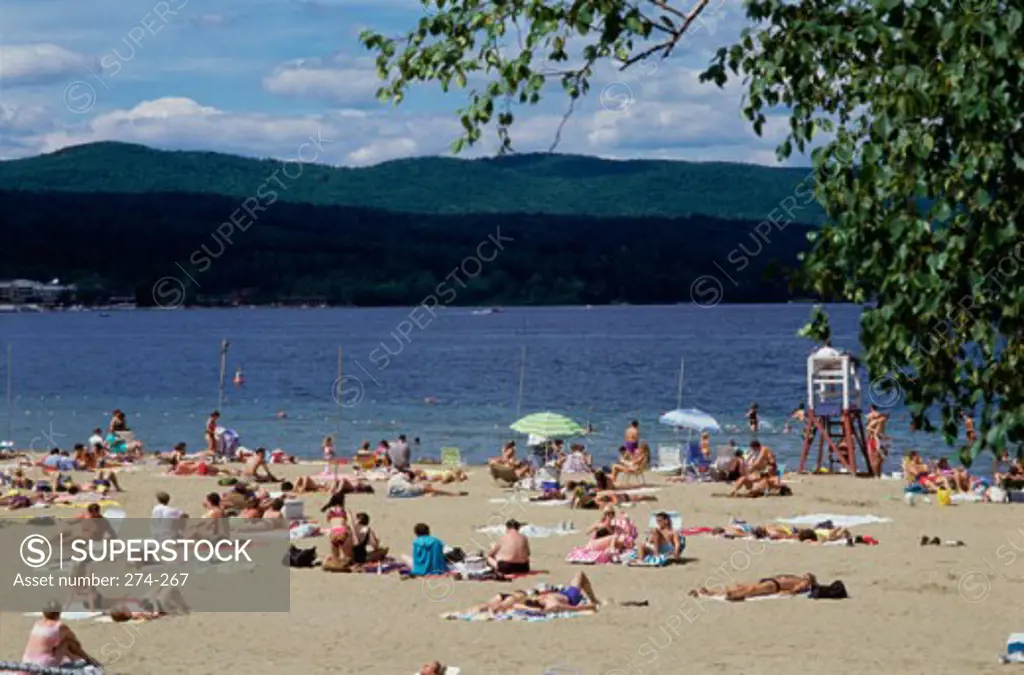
x,y
257,470
366,548
433,668
502,602
510,554
176,454
106,479
252,509
313,484
611,533
783,584
661,540
162,601
446,476
275,510
563,598
632,464
404,485
765,486
198,468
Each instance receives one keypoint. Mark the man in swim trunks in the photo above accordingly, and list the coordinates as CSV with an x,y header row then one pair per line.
x,y
632,438
211,432
511,553
783,584
256,462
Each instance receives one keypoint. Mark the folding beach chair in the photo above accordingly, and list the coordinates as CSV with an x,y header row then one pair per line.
x,y
639,474
696,464
451,457
669,461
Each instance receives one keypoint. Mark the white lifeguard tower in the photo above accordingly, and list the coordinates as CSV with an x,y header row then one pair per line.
x,y
834,410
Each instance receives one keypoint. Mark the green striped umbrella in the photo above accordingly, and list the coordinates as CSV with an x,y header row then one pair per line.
x,y
548,425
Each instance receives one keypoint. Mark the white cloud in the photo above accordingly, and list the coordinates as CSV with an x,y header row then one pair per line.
x,y
339,79
37,63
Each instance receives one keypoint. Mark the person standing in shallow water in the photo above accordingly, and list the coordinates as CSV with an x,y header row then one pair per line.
x,y
752,418
211,432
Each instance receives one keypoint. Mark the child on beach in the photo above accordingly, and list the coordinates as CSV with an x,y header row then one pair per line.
x,y
329,464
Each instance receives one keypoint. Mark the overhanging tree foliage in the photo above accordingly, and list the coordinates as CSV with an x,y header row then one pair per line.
x,y
921,102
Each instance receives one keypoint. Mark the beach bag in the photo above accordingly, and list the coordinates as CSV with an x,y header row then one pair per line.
x,y
227,481
834,591
300,557
455,555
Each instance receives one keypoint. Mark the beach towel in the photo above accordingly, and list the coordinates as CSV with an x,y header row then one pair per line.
x,y
534,531
777,596
79,668
547,502
837,520
516,615
581,555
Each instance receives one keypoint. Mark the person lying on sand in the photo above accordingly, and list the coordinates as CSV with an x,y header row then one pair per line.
x,y
160,602
783,584
433,668
446,476
305,484
510,554
754,488
176,454
404,485
257,470
661,540
578,596
198,468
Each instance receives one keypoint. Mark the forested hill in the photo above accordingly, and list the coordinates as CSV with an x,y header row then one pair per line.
x,y
151,245
538,184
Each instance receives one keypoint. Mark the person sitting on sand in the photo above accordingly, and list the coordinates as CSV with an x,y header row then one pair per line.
x,y
577,461
661,540
510,554
754,487
257,470
783,584
564,598
612,533
252,509
427,554
404,485
52,644
1008,470
366,548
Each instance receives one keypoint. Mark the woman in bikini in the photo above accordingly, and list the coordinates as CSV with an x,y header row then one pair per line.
x,y
199,468
366,548
783,584
340,533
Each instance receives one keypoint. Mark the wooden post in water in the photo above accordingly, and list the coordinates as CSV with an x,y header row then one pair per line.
x,y
10,393
522,375
223,371
337,434
679,398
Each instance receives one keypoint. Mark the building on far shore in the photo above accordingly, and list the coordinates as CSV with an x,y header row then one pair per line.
x,y
24,292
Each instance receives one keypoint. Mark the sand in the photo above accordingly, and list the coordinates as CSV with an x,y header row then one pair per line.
x,y
913,609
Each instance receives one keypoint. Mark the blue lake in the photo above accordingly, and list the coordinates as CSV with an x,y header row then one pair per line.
x,y
452,379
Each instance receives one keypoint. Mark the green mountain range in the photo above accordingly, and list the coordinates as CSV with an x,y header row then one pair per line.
x,y
536,183
206,228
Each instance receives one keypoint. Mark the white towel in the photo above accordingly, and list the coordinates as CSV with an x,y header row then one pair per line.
x,y
837,520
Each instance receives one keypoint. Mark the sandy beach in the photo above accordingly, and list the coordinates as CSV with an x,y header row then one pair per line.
x,y
912,609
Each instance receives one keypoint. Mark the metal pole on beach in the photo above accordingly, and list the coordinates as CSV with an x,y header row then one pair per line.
x,y
679,398
223,371
522,375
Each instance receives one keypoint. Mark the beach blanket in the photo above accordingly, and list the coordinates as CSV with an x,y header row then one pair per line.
x,y
534,531
581,555
837,520
67,669
793,539
515,615
777,596
548,502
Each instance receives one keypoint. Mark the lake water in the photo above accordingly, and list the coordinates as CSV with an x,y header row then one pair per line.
x,y
449,380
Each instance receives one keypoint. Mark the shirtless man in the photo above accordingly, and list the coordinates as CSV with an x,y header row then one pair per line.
x,y
763,470
969,428
783,584
565,598
256,462
511,553
211,432
662,540
632,437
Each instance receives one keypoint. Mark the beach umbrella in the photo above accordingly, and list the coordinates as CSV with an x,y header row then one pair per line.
x,y
690,418
548,425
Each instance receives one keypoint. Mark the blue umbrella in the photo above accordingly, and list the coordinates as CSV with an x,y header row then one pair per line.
x,y
690,418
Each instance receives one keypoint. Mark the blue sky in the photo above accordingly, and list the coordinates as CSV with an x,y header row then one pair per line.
x,y
258,77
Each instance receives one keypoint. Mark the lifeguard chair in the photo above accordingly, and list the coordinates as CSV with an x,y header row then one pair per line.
x,y
834,410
